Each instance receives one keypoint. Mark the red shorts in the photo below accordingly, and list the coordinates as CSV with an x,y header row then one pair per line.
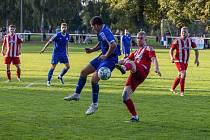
x,y
135,79
181,66
13,60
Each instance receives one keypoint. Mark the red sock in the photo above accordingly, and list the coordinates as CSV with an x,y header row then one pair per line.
x,y
18,73
131,107
8,75
176,82
128,66
182,82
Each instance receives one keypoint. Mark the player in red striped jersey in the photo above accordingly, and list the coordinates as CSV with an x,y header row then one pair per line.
x,y
11,49
182,46
138,63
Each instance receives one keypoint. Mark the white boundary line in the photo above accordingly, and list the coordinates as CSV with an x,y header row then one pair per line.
x,y
29,85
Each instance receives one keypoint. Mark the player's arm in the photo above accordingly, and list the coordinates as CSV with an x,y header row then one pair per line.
x,y
95,48
47,44
112,47
20,41
3,46
156,66
171,51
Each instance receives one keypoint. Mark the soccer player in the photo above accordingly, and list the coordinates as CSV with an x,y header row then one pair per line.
x,y
138,63
126,43
12,46
107,58
60,53
182,47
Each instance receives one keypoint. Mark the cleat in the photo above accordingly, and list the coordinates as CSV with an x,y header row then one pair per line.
x,y
18,79
134,119
92,109
74,96
173,91
8,81
120,68
181,93
61,79
48,83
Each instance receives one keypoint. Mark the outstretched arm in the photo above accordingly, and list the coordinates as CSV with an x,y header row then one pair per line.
x,y
47,44
156,66
95,48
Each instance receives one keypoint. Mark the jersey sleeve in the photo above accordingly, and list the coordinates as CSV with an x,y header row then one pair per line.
x,y
109,36
174,44
131,56
151,52
53,38
19,40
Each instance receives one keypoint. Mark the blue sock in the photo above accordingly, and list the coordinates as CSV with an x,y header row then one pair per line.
x,y
95,91
80,84
50,74
63,72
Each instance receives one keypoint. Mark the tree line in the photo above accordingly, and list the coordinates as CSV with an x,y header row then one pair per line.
x,y
118,14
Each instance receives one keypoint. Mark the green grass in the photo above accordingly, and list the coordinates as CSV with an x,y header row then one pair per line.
x,y
39,112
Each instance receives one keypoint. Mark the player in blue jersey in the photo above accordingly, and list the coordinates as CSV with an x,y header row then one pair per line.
x,y
60,53
126,43
107,58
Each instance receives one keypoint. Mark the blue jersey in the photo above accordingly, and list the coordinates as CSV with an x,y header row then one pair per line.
x,y
105,37
60,43
126,41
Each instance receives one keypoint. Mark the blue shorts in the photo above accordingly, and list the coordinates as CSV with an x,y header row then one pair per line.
x,y
98,63
60,58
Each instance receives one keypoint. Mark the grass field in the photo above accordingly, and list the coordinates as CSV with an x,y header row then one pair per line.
x,y
31,110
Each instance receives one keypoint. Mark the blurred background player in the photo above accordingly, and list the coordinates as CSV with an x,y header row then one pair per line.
x,y
118,35
126,43
108,58
182,46
60,53
138,63
12,46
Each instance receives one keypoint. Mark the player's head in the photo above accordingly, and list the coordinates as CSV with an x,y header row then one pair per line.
x,y
141,38
63,27
96,23
12,29
184,32
126,32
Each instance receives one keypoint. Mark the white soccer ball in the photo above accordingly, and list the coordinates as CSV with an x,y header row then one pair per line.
x,y
104,73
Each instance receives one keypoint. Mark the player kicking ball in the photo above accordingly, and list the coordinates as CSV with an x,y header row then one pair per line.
x,y
138,63
60,53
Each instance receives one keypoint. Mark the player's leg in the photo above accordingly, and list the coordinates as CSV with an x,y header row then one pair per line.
x,y
127,66
81,82
177,79
50,74
129,103
16,62
63,72
7,62
95,91
18,71
182,82
8,72
64,60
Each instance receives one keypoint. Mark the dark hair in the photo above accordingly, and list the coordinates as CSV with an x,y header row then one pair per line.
x,y
63,24
11,26
96,20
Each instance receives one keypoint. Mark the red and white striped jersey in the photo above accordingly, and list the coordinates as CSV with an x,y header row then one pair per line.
x,y
12,45
142,57
182,48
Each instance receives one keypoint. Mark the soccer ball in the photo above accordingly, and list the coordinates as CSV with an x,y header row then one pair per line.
x,y
104,73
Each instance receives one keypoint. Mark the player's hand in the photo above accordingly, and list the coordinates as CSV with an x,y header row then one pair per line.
x,y
158,73
103,57
197,63
172,60
88,50
19,53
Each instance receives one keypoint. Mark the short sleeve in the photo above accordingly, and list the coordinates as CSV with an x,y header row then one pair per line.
x,y
174,44
53,38
151,52
131,56
109,36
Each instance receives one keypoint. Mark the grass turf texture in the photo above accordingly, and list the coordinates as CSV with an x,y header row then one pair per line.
x,y
31,110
